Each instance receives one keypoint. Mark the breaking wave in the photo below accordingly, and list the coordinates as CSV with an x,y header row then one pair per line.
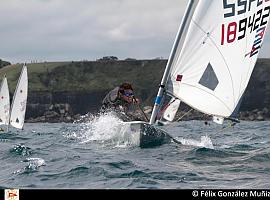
x,y
106,128
33,164
205,142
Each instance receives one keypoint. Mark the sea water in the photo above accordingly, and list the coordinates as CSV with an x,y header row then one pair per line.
x,y
100,152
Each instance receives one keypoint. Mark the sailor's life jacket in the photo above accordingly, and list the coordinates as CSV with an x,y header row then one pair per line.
x,y
113,101
125,111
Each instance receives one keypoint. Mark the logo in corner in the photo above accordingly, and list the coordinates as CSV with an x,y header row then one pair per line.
x,y
11,194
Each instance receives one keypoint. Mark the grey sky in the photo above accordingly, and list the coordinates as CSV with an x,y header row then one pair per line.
x,y
64,30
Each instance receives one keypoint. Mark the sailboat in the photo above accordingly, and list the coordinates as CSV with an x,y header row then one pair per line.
x,y
4,103
18,106
211,61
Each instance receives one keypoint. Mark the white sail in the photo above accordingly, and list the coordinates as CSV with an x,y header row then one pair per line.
x,y
18,106
212,66
4,102
171,110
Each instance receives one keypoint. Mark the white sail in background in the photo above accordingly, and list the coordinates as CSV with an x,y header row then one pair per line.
x,y
4,102
18,106
171,110
217,53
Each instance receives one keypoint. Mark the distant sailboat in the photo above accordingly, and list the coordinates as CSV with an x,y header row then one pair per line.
x,y
4,102
18,107
212,60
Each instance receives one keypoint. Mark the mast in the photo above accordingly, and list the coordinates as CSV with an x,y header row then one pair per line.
x,y
169,63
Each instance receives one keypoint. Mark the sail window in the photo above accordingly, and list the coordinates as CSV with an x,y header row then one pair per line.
x,y
209,78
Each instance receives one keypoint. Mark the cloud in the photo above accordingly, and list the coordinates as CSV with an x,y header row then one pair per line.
x,y
49,30
83,29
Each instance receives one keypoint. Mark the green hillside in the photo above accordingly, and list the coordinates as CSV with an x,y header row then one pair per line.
x,y
89,76
36,72
98,77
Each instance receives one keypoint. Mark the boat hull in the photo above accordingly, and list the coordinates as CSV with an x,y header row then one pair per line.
x,y
150,136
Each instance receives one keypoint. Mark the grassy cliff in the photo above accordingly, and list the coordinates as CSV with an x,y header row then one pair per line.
x,y
92,76
84,84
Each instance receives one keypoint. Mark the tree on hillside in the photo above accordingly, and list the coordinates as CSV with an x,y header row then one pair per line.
x,y
108,58
4,63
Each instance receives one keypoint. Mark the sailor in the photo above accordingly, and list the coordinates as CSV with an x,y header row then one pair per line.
x,y
120,99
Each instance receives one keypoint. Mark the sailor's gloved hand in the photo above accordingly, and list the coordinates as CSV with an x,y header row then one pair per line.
x,y
135,100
